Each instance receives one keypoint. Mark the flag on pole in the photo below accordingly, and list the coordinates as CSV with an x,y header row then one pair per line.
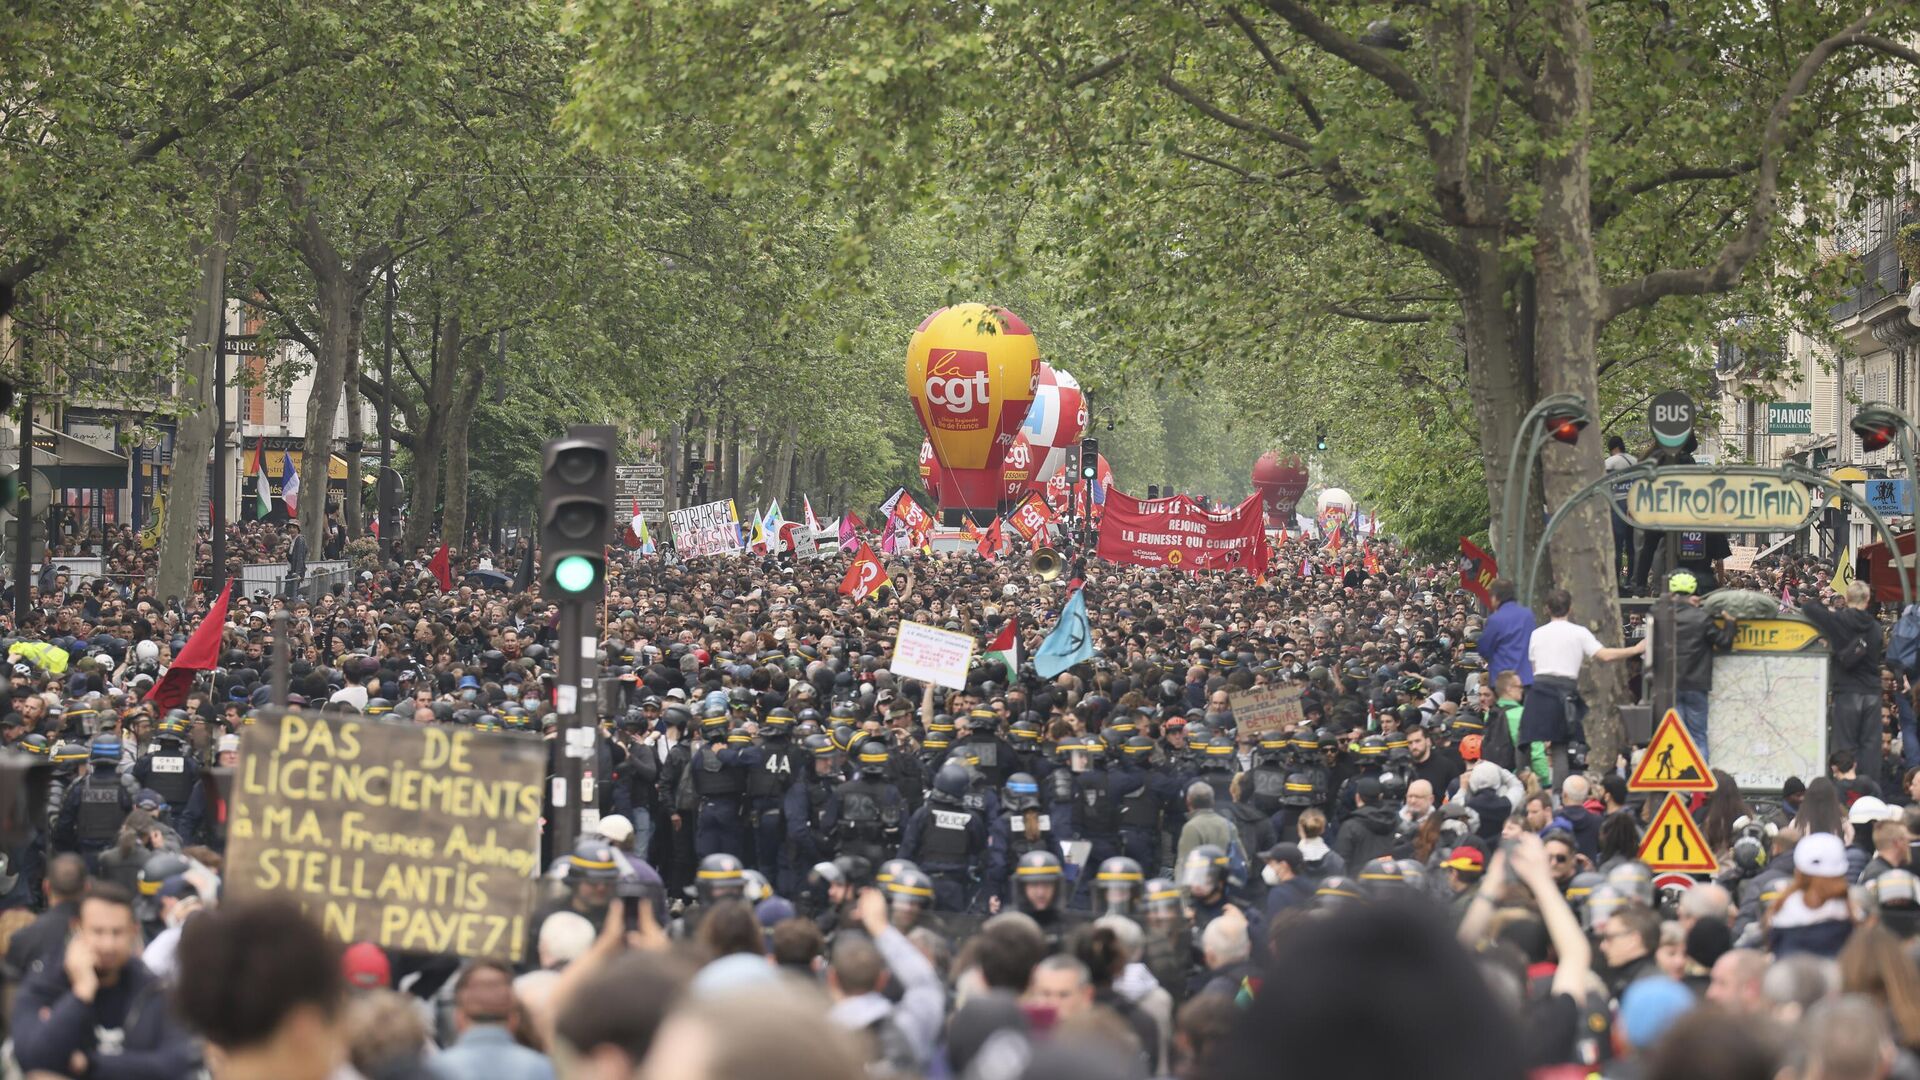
x,y
1370,561
646,539
1333,542
813,523
991,541
865,576
789,534
774,517
1070,641
1477,571
289,484
757,539
1005,647
1786,599
1306,567
150,536
1843,572
202,653
849,530
889,538
263,499
441,567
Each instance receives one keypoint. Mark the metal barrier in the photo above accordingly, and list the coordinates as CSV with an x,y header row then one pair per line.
x,y
272,577
80,571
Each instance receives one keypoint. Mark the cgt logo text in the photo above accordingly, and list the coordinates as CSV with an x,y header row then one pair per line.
x,y
957,389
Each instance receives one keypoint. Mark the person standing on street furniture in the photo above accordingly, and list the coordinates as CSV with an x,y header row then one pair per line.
x,y
1505,637
1619,460
1558,650
1697,637
1853,636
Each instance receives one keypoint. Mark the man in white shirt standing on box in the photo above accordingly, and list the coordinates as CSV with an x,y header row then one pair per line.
x,y
1558,650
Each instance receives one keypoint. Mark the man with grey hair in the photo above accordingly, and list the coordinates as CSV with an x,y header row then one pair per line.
x,y
1847,1039
1061,983
1227,950
1854,640
1796,983
1707,901
1204,824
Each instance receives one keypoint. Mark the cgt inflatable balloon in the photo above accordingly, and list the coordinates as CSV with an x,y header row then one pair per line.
x,y
1280,481
971,372
1056,420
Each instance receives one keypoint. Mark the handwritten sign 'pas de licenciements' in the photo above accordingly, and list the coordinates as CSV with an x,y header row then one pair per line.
x,y
415,838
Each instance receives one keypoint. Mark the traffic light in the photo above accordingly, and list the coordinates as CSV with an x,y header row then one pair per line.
x,y
1073,460
1565,424
1877,427
1153,491
1320,438
1089,458
576,513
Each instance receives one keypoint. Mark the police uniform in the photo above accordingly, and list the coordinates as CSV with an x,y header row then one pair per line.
x,y
948,839
91,817
719,781
863,816
770,771
808,839
170,771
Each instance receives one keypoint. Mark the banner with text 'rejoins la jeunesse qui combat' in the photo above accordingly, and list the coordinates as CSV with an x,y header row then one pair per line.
x,y
416,838
1178,534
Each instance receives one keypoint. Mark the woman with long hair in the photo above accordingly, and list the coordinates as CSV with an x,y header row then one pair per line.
x,y
1814,914
1875,963
1724,807
1619,840
1822,812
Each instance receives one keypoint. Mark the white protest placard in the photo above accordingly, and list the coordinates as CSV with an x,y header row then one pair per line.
x,y
708,529
1741,557
931,654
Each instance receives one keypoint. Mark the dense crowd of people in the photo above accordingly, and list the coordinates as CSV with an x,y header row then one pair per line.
x,y
795,861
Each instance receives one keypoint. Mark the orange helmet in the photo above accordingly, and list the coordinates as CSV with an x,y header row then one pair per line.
x,y
1470,748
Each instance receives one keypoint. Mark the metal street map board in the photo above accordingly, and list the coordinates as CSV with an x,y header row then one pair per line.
x,y
1766,717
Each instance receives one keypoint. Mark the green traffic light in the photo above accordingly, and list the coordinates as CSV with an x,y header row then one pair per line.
x,y
575,573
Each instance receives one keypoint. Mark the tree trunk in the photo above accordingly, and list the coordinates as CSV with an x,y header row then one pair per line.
x,y
1501,379
453,520
782,466
1566,337
335,296
194,435
427,457
356,433
673,456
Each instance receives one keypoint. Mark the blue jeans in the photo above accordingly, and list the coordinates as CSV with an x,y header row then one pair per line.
x,y
642,819
1692,707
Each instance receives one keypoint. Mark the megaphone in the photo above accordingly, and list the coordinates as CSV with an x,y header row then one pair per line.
x,y
1047,563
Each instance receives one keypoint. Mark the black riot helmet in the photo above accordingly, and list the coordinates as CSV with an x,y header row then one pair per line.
x,y
720,877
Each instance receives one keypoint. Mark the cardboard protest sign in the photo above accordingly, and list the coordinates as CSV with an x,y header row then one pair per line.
x,y
1261,711
419,838
931,654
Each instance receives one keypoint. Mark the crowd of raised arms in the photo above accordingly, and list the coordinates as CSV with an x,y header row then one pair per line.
x,y
795,863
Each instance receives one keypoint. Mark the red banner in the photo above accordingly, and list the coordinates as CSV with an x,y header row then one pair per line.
x,y
1178,534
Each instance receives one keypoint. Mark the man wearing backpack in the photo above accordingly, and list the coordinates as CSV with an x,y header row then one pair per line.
x,y
1853,720
1903,663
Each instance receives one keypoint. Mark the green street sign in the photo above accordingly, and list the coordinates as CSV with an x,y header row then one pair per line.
x,y
1789,418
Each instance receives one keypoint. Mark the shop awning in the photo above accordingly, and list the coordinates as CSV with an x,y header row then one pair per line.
x,y
68,462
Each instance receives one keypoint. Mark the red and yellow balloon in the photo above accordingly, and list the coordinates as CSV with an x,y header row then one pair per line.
x,y
971,371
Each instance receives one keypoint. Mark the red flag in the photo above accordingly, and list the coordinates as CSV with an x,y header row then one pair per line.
x,y
865,576
1333,544
790,536
1031,519
1477,571
441,569
202,653
1370,561
990,541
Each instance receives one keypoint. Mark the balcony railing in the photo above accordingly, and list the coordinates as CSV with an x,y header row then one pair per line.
x,y
1877,274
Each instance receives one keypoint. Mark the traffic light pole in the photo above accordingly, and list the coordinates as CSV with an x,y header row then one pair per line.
x,y
574,699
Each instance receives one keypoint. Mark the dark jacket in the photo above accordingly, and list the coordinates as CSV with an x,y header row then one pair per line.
x,y
1366,835
1697,639
1256,836
1842,627
1585,826
153,1044
1493,809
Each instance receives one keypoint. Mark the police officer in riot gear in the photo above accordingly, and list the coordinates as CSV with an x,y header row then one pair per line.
x,y
1039,882
1023,826
1096,803
1118,885
96,806
993,756
1142,795
170,768
808,843
770,769
947,838
721,876
1266,783
864,815
719,781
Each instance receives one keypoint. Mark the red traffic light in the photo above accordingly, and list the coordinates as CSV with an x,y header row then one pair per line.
x,y
1874,436
1566,429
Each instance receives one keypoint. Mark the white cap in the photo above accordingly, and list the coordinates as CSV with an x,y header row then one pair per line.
x,y
1869,808
229,743
615,828
1820,855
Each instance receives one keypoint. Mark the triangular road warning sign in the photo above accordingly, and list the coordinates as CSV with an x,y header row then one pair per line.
x,y
1672,762
1673,843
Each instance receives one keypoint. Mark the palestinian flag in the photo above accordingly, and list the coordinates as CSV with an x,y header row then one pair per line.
x,y
263,501
1005,647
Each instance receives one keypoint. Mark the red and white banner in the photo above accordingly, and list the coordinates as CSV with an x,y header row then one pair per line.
x,y
1178,534
865,576
1032,518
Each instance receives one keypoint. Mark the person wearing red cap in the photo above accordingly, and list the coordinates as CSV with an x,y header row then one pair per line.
x,y
1465,867
366,967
